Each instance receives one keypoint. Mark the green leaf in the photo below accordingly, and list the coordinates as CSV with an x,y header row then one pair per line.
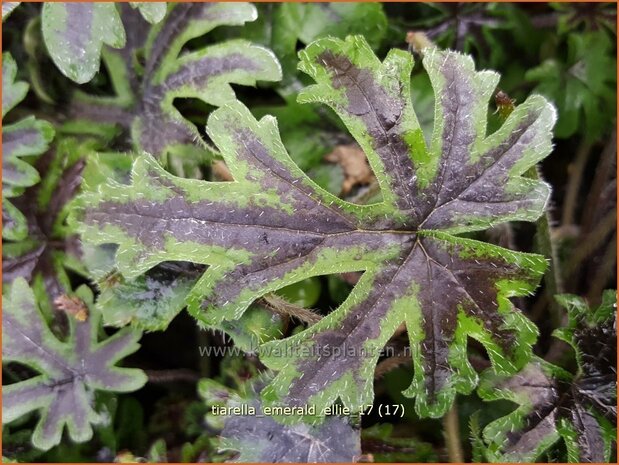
x,y
580,409
273,227
384,444
582,85
153,12
69,371
338,20
74,34
151,300
144,100
282,26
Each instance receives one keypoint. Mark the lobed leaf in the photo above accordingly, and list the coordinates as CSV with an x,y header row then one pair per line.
x,y
74,34
144,102
69,372
259,438
553,404
49,248
26,138
273,226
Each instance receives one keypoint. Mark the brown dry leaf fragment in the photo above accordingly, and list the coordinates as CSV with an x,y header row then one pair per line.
x,y
221,171
417,41
72,306
354,163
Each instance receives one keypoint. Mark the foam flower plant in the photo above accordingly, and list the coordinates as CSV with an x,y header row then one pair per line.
x,y
273,226
150,71
21,141
69,371
579,408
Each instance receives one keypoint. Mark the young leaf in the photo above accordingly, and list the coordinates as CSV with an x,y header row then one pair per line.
x,y
74,34
274,227
70,371
553,404
386,445
582,86
151,300
144,103
26,138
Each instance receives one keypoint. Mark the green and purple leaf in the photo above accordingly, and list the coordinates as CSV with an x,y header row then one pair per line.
x,y
27,138
273,227
74,34
69,371
49,249
257,437
581,409
13,91
144,104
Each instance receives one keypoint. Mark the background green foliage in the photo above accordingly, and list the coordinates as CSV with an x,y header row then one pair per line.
x,y
565,52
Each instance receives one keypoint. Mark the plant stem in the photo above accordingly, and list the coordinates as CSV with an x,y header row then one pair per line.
x,y
603,272
204,362
605,167
451,429
552,278
592,241
573,185
391,363
171,376
283,307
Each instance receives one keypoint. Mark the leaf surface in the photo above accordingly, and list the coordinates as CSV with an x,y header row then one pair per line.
x,y
69,371
259,438
74,34
273,227
153,12
7,9
553,404
49,248
582,85
144,102
26,138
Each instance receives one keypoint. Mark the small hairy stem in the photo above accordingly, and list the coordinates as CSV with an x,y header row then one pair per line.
x,y
603,272
592,241
606,166
553,277
367,194
283,307
573,185
389,364
172,376
204,362
451,429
